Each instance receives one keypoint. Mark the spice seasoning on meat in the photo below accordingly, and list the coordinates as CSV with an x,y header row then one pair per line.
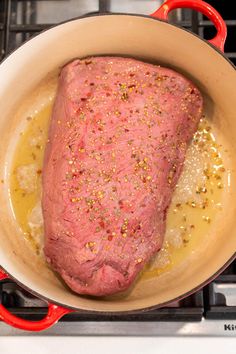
x,y
125,126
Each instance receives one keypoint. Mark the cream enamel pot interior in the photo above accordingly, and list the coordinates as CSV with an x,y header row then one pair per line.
x,y
23,79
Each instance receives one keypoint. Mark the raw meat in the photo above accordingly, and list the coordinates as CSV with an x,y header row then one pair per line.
x,y
117,142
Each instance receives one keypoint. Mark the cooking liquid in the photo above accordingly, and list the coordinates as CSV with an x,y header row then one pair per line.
x,y
195,205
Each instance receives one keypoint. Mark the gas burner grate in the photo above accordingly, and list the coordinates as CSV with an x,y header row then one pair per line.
x,y
23,304
220,296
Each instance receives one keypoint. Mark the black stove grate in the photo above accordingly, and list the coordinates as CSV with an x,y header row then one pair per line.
x,y
220,296
19,21
27,306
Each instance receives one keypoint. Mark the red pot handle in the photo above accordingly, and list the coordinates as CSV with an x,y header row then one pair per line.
x,y
55,312
205,9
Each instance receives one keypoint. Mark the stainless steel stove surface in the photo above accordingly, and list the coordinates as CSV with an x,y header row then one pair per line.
x,y
211,311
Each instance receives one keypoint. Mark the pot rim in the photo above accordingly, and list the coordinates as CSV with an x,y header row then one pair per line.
x,y
120,14
178,298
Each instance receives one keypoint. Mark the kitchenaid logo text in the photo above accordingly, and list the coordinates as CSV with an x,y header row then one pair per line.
x,y
230,327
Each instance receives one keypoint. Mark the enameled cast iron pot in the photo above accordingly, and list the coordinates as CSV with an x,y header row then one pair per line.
x,y
150,39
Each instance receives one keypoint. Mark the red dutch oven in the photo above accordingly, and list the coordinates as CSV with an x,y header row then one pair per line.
x,y
27,73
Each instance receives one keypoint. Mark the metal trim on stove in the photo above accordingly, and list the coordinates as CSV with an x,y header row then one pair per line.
x,y
205,328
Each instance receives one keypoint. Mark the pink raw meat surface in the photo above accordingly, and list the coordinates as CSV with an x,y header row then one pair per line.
x,y
117,142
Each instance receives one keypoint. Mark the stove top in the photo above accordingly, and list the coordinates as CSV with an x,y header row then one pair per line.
x,y
210,311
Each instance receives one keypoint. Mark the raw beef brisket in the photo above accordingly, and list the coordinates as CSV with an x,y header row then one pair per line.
x,y
117,143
